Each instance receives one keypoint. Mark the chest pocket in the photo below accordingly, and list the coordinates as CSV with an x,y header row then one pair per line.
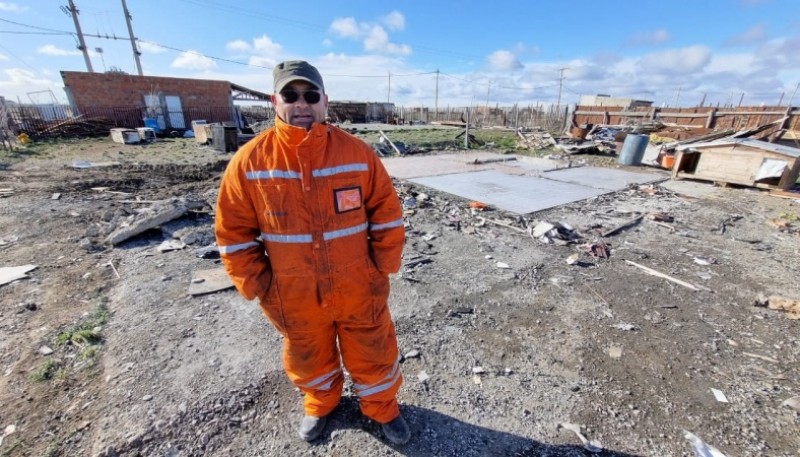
x,y
345,202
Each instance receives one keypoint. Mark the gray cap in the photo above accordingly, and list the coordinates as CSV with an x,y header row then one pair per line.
x,y
293,70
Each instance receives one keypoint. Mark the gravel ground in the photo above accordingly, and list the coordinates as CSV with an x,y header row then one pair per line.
x,y
511,344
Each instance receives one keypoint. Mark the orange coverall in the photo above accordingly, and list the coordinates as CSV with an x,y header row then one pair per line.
x,y
309,223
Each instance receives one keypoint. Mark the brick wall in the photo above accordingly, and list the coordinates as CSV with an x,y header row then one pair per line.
x,y
115,90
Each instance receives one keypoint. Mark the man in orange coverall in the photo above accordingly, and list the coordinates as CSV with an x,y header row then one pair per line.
x,y
308,222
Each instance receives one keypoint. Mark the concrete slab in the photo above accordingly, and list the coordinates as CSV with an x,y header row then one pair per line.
x,y
462,162
419,166
690,188
602,178
517,194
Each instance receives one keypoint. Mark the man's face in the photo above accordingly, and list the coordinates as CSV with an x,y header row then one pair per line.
x,y
292,107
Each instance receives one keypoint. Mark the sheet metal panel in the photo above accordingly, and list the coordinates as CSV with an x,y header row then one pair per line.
x,y
517,194
602,178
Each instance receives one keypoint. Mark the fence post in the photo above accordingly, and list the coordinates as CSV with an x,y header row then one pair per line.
x,y
710,119
466,132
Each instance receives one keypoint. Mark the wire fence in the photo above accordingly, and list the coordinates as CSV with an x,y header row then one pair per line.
x,y
55,121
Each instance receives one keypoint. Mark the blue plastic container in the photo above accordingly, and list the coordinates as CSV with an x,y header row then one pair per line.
x,y
633,149
152,123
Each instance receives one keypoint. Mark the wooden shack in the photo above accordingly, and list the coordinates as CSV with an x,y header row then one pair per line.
x,y
740,161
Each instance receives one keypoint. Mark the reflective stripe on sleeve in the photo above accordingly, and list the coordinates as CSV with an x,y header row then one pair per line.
x,y
237,247
323,172
387,225
302,238
387,382
344,232
272,174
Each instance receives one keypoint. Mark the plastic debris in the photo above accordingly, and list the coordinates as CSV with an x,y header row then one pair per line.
x,y
793,402
700,448
592,446
719,395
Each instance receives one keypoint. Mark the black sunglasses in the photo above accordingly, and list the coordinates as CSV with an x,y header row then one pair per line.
x,y
311,97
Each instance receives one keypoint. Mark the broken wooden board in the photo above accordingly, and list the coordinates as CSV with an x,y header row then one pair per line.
x,y
152,218
11,274
209,281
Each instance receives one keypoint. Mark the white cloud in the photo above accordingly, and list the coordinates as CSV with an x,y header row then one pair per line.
x,y
262,61
238,45
2,57
18,77
327,43
12,7
676,61
266,47
52,50
345,27
649,38
150,48
753,35
263,52
193,60
375,37
394,20
734,63
503,61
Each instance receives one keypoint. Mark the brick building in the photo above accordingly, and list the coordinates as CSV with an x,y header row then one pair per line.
x,y
173,102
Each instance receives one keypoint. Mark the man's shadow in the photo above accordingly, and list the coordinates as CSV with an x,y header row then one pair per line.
x,y
440,435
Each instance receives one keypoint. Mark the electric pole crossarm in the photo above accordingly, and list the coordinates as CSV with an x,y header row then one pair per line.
x,y
73,11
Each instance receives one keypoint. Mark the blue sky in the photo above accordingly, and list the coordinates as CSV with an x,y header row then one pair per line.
x,y
503,52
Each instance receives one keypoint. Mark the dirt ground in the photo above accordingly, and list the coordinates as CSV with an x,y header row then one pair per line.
x,y
507,340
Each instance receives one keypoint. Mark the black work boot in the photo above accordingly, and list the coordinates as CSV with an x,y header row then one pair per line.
x,y
312,427
397,431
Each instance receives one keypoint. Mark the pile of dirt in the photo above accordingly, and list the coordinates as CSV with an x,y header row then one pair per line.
x,y
512,342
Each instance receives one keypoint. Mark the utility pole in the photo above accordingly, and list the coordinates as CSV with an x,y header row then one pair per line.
x,y
791,99
703,101
560,84
136,52
677,97
389,92
73,11
740,99
436,100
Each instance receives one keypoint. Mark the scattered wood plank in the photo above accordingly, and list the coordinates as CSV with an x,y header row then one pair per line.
x,y
503,224
623,226
774,193
152,218
664,276
485,161
761,357
391,143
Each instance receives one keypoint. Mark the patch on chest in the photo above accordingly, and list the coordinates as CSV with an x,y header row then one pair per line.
x,y
347,199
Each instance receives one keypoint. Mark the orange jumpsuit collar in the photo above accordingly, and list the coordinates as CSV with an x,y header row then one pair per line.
x,y
293,135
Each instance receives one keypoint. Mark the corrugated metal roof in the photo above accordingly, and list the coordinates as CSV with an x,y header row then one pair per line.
x,y
758,144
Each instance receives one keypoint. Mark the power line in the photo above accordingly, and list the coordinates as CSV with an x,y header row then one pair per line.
x,y
35,27
17,57
280,19
15,32
194,52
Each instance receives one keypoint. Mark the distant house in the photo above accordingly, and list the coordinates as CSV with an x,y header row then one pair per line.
x,y
607,100
173,102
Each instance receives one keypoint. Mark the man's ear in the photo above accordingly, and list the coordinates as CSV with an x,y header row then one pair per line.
x,y
273,98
